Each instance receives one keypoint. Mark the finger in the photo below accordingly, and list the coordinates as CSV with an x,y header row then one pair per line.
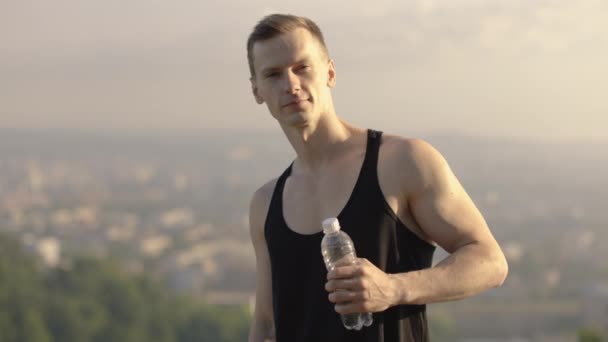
x,y
344,272
335,285
345,297
344,284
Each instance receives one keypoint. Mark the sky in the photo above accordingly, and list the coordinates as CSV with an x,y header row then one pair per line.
x,y
518,68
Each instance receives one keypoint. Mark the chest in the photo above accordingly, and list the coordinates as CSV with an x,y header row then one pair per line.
x,y
308,200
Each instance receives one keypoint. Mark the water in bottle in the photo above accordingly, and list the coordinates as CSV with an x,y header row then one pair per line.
x,y
336,245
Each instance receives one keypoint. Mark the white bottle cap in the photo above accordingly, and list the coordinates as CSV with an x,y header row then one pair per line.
x,y
331,225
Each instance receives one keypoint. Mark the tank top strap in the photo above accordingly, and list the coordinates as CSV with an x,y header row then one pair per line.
x,y
276,201
370,163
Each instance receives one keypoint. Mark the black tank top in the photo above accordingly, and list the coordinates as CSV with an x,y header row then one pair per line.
x,y
302,311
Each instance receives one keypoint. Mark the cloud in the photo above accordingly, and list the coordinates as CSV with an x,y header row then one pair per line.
x,y
513,67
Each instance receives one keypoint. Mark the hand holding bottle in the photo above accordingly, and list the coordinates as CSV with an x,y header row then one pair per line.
x,y
336,247
364,287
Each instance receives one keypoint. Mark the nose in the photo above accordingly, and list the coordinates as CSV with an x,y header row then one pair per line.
x,y
291,83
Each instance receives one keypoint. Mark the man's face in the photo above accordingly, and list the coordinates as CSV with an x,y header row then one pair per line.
x,y
293,76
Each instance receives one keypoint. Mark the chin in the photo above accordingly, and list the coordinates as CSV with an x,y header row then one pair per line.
x,y
297,119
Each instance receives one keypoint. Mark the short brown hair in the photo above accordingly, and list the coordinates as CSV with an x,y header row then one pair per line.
x,y
275,24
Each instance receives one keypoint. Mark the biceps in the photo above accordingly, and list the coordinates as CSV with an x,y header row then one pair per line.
x,y
449,217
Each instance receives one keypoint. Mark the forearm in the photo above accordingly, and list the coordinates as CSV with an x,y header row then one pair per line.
x,y
468,271
261,331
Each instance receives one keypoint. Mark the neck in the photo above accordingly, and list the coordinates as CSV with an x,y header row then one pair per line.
x,y
317,144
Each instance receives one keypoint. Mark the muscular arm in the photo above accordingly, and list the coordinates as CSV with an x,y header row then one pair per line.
x,y
262,325
448,216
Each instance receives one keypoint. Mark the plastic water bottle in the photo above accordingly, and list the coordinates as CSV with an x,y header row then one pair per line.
x,y
336,245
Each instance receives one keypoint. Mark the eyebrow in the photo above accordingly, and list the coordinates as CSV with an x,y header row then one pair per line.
x,y
269,70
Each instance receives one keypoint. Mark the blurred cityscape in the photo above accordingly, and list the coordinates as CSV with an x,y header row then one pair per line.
x,y
176,207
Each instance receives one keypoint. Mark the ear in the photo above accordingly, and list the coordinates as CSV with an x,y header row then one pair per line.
x,y
331,73
254,90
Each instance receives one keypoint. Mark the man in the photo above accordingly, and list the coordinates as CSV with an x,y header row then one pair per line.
x,y
396,197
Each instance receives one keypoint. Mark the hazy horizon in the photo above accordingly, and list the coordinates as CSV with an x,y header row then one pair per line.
x,y
518,69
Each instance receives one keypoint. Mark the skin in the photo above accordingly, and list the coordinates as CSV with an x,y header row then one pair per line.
x,y
294,77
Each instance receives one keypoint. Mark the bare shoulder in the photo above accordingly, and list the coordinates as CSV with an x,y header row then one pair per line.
x,y
416,158
258,208
415,148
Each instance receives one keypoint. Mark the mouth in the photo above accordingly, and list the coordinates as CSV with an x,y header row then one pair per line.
x,y
295,102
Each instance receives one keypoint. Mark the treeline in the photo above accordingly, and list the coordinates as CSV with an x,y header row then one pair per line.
x,y
94,300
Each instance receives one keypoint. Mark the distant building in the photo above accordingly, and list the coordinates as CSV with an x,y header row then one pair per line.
x,y
154,246
178,217
49,249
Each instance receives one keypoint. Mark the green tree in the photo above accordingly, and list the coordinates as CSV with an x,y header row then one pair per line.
x,y
21,295
589,335
97,301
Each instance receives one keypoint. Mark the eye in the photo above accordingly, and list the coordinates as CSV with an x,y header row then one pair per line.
x,y
272,74
304,67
